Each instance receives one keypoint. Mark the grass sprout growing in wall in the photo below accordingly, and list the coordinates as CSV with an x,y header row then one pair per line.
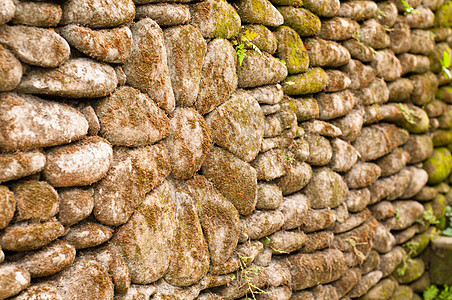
x,y
408,8
246,273
445,64
407,113
246,41
433,293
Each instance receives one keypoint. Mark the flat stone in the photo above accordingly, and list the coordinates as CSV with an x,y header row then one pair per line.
x,y
390,260
292,50
324,53
109,45
147,68
383,240
301,20
277,123
137,291
75,205
358,10
360,74
362,174
409,210
376,141
401,36
393,162
7,206
420,147
50,260
344,284
412,63
20,164
7,11
424,88
264,39
321,128
134,173
390,13
382,210
35,200
35,46
337,81
87,235
77,164
260,69
261,223
218,76
269,94
328,8
259,12
334,105
295,179
358,50
269,196
11,72
373,34
130,118
145,241
271,164
320,150
295,209
43,290
76,78
165,14
215,18
238,125
326,189
371,263
188,142
387,65
350,125
384,289
40,14
97,14
233,178
26,236
418,180
344,155
414,270
13,279
352,221
376,92
338,29
93,122
422,42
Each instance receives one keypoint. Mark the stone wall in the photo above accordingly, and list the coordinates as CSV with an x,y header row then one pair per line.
x,y
211,150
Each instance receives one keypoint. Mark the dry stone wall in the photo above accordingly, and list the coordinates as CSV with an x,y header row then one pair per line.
x,y
222,150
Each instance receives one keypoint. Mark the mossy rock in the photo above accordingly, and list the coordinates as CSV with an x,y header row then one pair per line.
x,y
328,8
439,165
296,3
437,56
292,50
441,260
403,292
383,290
415,246
443,16
265,40
301,20
413,119
314,80
259,12
442,137
445,93
414,268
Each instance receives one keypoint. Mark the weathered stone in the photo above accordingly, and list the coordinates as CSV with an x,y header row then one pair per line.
x,y
137,292
445,120
425,87
357,200
350,125
373,34
358,50
234,178
337,81
292,50
296,178
185,61
409,210
371,263
304,108
285,241
20,164
324,53
264,39
93,122
27,236
35,46
311,269
435,108
75,205
98,14
358,10
422,42
261,223
40,290
324,292
134,173
438,165
320,150
242,113
87,235
318,219
376,92
270,109
11,71
387,65
414,269
350,222
272,293
362,174
7,9
41,14
390,260
440,260
7,206
383,240
414,63
259,12
301,20
372,113
218,76
420,147
383,290
109,45
382,210
76,78
445,93
393,162
427,193
164,290
318,241
389,13
348,280
367,281
334,105
424,18
344,156
326,189
376,141
418,181
271,164
314,80
338,29
360,75
13,279
321,128
295,209
146,240
328,8
165,14
400,90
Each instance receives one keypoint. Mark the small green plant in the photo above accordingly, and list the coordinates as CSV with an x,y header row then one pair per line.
x,y
428,218
246,272
246,41
412,247
408,8
448,230
288,158
289,82
397,215
445,64
381,14
401,270
433,293
408,114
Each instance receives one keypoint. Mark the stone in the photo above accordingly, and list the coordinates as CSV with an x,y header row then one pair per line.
x,y
13,279
382,210
320,150
348,280
77,281
376,92
291,50
427,193
387,65
233,178
324,9
264,39
393,162
367,281
138,291
308,270
146,240
76,78
325,189
7,206
344,155
376,141
35,200
324,53
321,128
337,81
412,210
440,260
383,240
314,80
338,29
189,261
78,164
49,260
373,34
39,290
401,36
422,42
20,164
362,174
414,269
134,172
301,20
26,236
185,48
358,50
259,12
357,200
420,147
75,205
319,219
400,90
438,165
414,63
261,223
286,241
334,105
358,10
425,87
418,181
40,14
260,69
238,125
295,209
87,235
305,108
97,14
271,164
296,178
318,241
35,46
165,14
423,19
403,292
350,125
280,292
11,72
147,68
390,260
360,74
384,289
215,19
93,121
7,9
130,118
389,14
218,76
109,45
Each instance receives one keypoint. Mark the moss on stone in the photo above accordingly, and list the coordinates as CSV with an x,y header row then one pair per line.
x,y
292,50
439,165
314,80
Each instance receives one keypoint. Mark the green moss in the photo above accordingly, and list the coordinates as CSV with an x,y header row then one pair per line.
x,y
442,137
292,50
414,270
301,20
312,81
438,166
443,16
445,93
227,23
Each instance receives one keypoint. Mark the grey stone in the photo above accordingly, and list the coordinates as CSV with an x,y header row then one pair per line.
x,y
367,282
218,76
276,124
147,68
20,164
334,105
360,74
383,240
393,162
259,12
35,46
134,173
324,53
373,34
401,36
261,223
357,200
344,155
409,210
109,45
165,14
87,235
318,219
358,50
390,260
350,125
75,205
326,189
271,164
76,78
376,92
352,221
7,206
11,72
321,128
130,118
13,280
40,14
420,147
382,210
419,178
337,81
97,13
376,141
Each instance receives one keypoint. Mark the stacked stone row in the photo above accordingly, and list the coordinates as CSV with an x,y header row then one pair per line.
x,y
142,158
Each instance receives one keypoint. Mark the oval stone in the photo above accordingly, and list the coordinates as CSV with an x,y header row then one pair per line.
x,y
11,71
326,189
87,235
7,206
20,164
13,279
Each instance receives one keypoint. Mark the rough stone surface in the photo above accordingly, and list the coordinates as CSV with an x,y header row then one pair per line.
x,y
165,14
326,189
20,164
11,72
40,14
13,279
